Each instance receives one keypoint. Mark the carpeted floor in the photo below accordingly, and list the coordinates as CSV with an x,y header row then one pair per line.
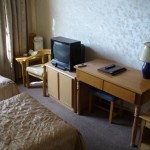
x,y
97,133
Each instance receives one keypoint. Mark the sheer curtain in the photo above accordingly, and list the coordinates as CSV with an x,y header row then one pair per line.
x,y
13,34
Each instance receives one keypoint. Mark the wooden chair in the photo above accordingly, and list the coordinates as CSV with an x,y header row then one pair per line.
x,y
144,138
39,70
104,96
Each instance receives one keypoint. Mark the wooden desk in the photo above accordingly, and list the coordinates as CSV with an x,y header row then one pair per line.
x,y
128,86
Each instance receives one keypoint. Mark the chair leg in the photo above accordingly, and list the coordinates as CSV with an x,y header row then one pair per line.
x,y
44,81
111,111
27,79
141,132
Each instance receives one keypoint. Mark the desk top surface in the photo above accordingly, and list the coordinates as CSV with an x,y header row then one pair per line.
x,y
131,79
20,59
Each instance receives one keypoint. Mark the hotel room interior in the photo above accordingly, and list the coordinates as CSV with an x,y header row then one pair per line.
x,y
65,109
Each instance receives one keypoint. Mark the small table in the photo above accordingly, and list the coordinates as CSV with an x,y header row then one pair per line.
x,y
22,61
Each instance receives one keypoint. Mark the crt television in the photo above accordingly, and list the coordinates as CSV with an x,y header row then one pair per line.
x,y
66,53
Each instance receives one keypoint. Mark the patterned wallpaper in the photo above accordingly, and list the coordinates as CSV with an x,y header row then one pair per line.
x,y
114,29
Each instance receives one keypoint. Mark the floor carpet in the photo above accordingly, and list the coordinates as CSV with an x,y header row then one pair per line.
x,y
97,133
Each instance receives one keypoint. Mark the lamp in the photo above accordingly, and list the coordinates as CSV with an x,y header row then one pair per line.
x,y
145,57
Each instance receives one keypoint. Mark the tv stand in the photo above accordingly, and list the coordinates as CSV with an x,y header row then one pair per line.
x,y
62,86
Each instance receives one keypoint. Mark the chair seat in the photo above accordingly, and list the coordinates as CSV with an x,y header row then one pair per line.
x,y
36,69
102,94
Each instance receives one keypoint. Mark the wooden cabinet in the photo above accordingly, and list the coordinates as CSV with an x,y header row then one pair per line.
x,y
62,86
66,87
144,142
53,86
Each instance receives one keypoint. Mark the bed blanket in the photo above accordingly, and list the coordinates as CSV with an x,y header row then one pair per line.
x,y
25,124
8,88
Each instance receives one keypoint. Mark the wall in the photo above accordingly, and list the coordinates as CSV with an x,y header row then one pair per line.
x,y
114,29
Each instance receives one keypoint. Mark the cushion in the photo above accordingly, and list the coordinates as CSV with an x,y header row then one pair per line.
x,y
102,94
36,69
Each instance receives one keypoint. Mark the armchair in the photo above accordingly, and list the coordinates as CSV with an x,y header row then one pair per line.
x,y
39,70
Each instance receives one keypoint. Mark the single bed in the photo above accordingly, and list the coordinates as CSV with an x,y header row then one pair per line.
x,y
8,88
25,124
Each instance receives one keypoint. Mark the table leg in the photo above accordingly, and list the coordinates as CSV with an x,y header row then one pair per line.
x,y
135,124
16,71
78,97
23,66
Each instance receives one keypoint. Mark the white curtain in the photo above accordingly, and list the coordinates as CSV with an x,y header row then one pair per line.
x,y
13,34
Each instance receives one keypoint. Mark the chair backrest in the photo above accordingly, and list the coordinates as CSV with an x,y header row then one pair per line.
x,y
40,54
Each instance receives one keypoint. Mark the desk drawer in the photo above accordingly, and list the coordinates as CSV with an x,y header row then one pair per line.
x,y
120,92
89,79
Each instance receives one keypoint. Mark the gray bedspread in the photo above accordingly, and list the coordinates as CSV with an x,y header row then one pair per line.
x,y
25,124
8,88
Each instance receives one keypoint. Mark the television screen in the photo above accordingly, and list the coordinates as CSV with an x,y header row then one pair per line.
x,y
61,52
